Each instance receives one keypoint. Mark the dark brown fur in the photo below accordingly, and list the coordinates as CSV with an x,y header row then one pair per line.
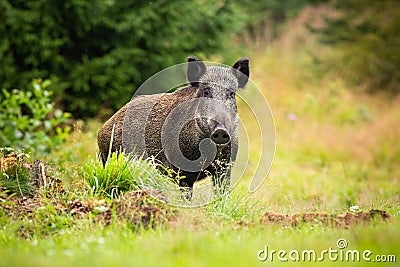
x,y
189,145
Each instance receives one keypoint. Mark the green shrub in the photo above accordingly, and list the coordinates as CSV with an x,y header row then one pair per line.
x,y
29,120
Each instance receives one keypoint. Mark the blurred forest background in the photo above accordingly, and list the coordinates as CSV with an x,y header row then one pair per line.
x,y
92,55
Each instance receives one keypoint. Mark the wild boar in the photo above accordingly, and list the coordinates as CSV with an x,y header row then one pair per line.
x,y
193,130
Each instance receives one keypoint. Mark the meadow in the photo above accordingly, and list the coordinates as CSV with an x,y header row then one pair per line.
x,y
337,152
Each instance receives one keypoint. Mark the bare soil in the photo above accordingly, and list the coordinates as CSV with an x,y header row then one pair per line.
x,y
344,220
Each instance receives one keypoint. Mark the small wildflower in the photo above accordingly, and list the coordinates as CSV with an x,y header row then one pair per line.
x,y
292,117
354,208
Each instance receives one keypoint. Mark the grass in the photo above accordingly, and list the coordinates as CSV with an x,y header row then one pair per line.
x,y
337,147
13,176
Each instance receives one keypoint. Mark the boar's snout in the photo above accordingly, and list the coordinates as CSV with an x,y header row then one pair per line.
x,y
220,136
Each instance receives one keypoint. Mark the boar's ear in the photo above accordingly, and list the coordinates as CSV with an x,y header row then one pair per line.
x,y
242,65
195,70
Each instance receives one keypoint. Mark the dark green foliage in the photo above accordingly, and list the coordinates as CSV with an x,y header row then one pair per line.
x,y
98,52
367,34
263,18
28,119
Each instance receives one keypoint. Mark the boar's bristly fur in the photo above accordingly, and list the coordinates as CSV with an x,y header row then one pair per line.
x,y
214,120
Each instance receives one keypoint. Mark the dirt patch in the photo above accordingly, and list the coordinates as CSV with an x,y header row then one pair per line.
x,y
137,208
46,193
344,220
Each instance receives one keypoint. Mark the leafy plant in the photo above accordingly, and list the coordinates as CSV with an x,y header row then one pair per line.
x,y
29,120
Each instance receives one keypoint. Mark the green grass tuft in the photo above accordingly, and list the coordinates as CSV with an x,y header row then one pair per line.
x,y
123,173
111,179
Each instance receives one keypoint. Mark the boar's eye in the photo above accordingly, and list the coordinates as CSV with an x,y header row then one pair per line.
x,y
206,92
232,94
